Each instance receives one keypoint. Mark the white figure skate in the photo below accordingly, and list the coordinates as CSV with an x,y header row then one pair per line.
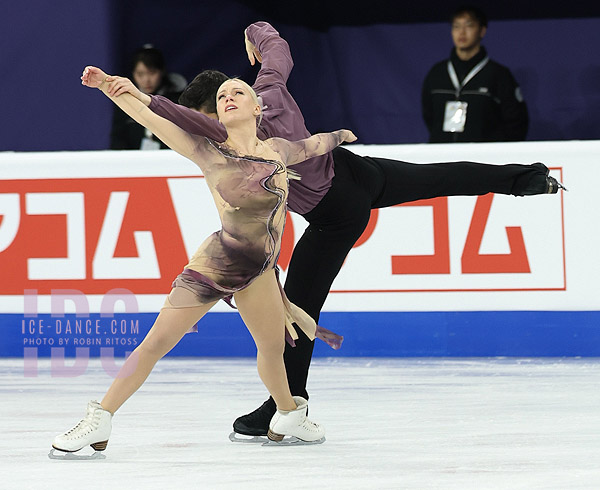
x,y
294,427
93,430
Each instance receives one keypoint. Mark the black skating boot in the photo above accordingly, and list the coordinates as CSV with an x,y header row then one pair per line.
x,y
543,184
255,423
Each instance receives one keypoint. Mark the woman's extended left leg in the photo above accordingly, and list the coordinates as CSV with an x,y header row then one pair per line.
x,y
168,329
174,320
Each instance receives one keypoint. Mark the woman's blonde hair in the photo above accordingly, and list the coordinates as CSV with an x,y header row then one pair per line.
x,y
255,97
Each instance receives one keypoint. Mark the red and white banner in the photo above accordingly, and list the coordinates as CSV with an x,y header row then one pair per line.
x,y
93,222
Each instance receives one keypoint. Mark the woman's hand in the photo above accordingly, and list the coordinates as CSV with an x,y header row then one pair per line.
x,y
348,135
93,77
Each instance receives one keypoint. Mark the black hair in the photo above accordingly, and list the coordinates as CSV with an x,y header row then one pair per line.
x,y
472,11
151,57
201,93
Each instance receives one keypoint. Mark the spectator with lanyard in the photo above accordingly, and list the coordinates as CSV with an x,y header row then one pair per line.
x,y
470,98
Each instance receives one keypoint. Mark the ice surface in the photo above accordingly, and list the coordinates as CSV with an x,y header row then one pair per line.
x,y
391,423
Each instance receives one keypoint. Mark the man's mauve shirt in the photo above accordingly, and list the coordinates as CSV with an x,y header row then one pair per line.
x,y
281,117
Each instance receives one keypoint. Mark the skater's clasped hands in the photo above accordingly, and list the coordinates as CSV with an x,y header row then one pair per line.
x,y
94,77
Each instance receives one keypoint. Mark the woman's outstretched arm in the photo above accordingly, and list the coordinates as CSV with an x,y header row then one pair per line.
x,y
293,152
173,136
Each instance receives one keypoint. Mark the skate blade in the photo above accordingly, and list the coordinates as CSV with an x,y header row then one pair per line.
x,y
64,456
293,441
235,437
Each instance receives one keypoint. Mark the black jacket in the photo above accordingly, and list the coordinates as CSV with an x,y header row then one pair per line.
x,y
495,112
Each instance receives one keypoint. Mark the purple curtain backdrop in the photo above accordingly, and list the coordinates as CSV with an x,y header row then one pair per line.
x,y
366,78
45,46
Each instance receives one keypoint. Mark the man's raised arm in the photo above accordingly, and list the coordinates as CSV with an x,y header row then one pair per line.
x,y
274,53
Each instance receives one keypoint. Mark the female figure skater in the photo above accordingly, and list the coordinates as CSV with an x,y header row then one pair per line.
x,y
248,180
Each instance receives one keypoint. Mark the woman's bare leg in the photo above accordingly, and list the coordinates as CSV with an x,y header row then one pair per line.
x,y
168,329
261,307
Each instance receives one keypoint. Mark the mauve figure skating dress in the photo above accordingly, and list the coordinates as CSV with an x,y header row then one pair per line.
x,y
250,194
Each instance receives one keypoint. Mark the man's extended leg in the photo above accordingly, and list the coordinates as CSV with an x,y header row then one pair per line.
x,y
407,182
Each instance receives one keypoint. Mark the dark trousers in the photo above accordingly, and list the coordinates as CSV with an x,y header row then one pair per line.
x,y
360,184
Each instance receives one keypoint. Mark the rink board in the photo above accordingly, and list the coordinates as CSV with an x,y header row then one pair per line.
x,y
91,241
385,334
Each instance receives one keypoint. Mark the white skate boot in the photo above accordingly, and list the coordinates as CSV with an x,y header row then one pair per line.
x,y
295,425
93,430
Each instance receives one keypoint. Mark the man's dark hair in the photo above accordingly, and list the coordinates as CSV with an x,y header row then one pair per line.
x,y
201,93
150,56
472,11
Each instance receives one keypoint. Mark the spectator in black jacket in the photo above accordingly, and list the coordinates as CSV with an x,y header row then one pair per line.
x,y
148,72
470,97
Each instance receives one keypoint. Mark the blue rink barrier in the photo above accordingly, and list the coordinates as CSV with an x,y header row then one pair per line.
x,y
370,334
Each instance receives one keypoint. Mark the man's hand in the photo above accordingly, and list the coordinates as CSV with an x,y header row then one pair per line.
x,y
122,85
253,54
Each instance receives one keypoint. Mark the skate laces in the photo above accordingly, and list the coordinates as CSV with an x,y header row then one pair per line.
x,y
86,425
310,425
